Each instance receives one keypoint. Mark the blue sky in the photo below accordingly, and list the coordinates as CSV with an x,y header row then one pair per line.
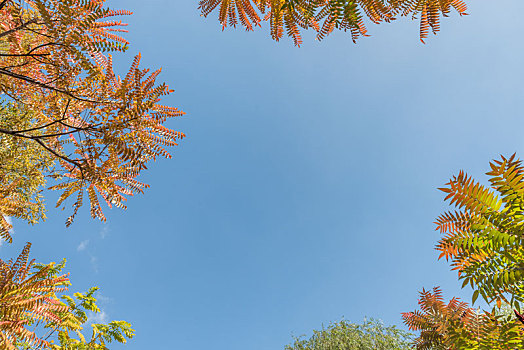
x,y
306,188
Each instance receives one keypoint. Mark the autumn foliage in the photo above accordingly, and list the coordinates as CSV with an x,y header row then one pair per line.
x,y
483,242
68,118
455,325
35,314
98,130
324,16
27,297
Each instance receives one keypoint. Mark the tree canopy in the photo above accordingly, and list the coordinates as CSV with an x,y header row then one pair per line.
x,y
66,117
483,241
343,335
69,121
324,16
78,122
35,313
455,325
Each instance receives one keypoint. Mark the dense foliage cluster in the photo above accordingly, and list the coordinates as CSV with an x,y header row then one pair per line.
x,y
32,315
455,325
70,112
343,335
65,115
483,241
26,298
324,16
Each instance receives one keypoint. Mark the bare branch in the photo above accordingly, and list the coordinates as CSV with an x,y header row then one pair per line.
x,y
71,161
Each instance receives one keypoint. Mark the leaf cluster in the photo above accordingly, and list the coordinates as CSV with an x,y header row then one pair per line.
x,y
455,325
484,238
69,330
343,335
22,168
35,314
324,16
28,298
96,130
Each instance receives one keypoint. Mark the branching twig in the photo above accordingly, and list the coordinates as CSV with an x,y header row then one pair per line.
x,y
71,161
22,26
24,54
43,85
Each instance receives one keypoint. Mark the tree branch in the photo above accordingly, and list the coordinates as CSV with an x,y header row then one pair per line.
x,y
22,26
24,54
49,149
43,85
56,154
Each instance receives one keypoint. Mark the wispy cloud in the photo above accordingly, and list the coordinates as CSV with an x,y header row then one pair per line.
x,y
82,245
99,317
104,231
94,263
9,221
11,231
102,316
102,299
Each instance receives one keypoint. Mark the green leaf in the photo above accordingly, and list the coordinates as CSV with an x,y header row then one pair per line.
x,y
475,296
